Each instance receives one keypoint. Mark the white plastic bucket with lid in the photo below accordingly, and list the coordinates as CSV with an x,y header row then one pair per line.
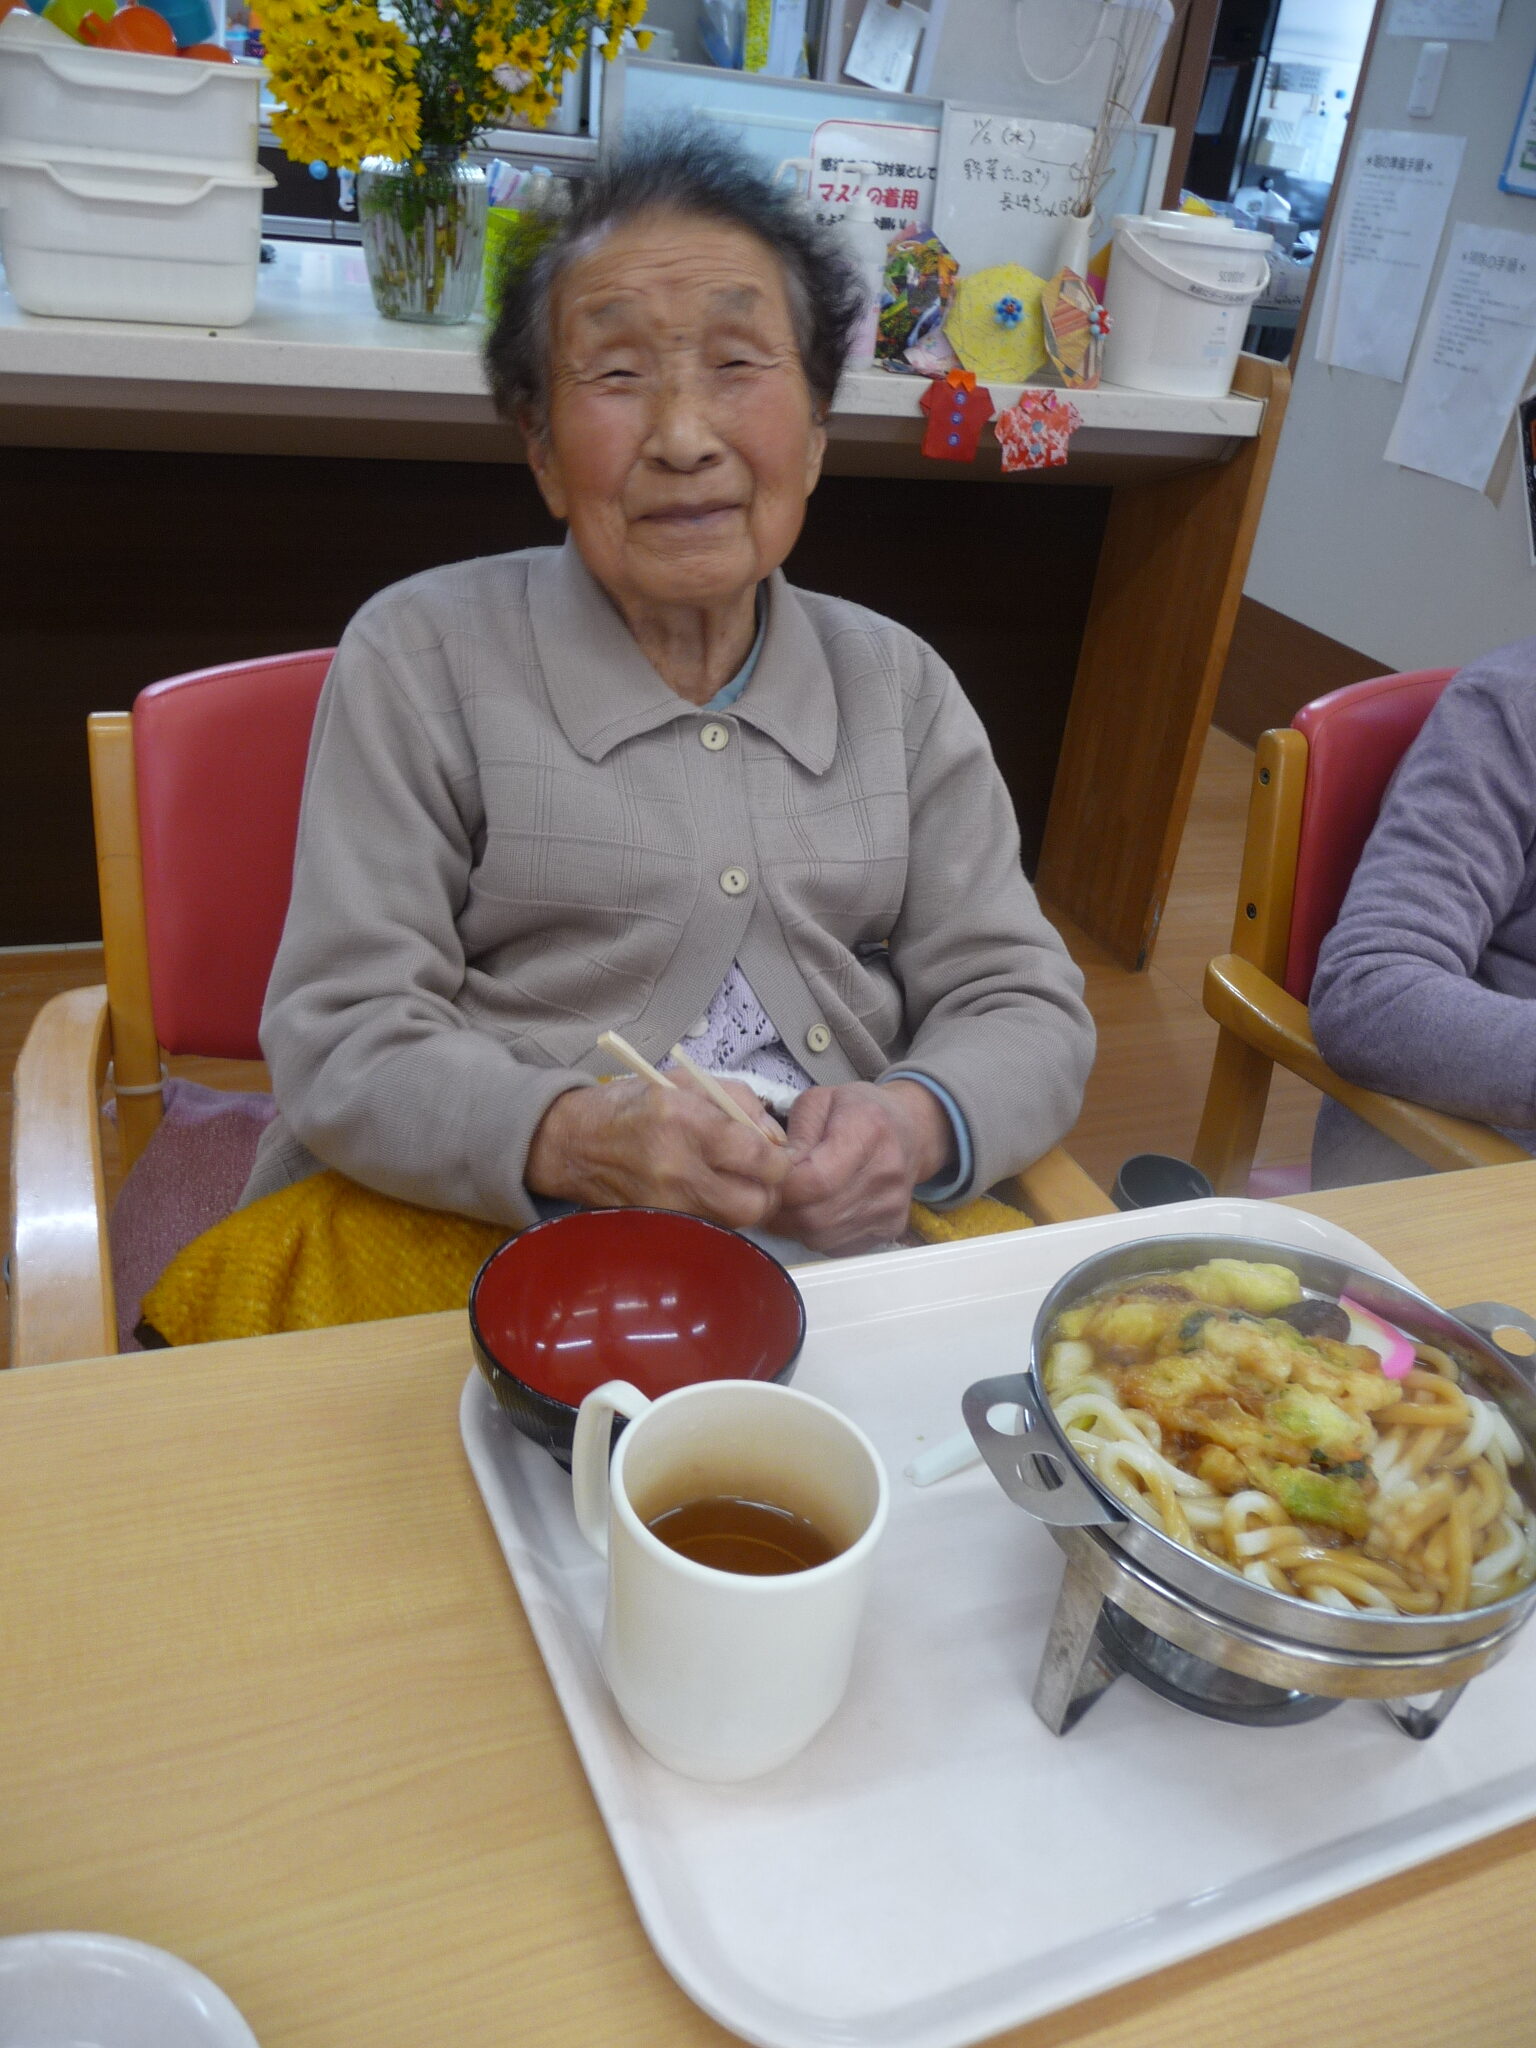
x,y
1180,286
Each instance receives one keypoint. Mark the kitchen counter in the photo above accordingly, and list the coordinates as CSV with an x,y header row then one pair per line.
x,y
316,370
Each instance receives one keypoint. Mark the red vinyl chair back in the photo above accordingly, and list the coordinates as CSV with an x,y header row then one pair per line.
x,y
1355,738
219,767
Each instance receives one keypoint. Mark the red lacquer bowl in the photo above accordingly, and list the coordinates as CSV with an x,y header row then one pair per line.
x,y
643,1295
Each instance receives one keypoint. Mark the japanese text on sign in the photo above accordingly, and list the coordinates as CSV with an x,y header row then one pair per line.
x,y
1473,358
1380,161
1005,184
905,160
1390,219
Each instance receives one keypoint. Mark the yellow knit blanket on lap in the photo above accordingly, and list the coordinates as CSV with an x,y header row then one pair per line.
x,y
983,1217
320,1252
327,1251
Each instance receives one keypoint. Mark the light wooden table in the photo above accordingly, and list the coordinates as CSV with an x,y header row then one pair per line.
x,y
267,1699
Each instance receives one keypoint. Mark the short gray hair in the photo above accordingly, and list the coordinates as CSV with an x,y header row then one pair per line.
x,y
695,173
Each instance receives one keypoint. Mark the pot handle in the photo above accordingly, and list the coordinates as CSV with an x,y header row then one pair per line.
x,y
1487,1316
1030,1463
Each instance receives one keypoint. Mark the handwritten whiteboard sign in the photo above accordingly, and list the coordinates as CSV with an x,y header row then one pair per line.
x,y
1005,185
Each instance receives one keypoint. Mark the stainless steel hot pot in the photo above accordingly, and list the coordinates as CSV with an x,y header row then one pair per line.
x,y
1212,1612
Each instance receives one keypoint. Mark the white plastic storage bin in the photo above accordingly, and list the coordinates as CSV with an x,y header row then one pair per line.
x,y
58,96
98,241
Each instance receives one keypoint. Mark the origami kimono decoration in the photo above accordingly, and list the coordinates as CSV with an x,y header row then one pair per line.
x,y
1073,327
994,324
1033,434
957,408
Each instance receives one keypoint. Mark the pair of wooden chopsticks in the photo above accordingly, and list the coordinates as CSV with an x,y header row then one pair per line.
x,y
637,1063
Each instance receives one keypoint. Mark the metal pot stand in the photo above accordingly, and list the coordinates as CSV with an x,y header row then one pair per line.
x,y
1117,1616
1114,1619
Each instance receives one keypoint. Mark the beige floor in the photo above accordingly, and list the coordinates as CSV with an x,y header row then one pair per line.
x,y
1155,1040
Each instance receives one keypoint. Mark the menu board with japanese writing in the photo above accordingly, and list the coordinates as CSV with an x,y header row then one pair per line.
x,y
1005,185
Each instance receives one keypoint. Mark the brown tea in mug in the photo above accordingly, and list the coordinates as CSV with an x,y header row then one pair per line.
x,y
750,1536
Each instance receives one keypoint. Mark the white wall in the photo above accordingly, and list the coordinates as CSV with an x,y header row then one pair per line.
x,y
1408,569
1328,29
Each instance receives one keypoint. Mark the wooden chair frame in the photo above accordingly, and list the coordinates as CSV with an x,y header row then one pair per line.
x,y
62,1303
1262,1025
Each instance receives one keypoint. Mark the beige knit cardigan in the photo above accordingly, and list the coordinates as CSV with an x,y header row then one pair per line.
x,y
515,836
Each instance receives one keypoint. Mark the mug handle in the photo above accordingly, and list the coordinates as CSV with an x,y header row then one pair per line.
x,y
592,1454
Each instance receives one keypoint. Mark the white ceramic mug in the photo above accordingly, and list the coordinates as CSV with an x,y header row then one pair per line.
x,y
722,1675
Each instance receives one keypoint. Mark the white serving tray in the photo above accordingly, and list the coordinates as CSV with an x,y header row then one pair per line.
x,y
937,1866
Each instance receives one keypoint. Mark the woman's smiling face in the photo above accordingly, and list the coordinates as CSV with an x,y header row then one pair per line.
x,y
681,442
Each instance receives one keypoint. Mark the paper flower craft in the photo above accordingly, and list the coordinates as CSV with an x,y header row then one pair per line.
x,y
1033,434
1009,312
999,350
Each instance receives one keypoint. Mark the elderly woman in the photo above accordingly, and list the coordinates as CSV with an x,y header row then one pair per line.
x,y
640,783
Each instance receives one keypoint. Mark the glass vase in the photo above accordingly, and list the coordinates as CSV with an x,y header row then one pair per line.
x,y
423,234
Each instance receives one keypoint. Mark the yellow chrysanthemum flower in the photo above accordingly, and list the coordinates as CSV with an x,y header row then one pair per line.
x,y
353,80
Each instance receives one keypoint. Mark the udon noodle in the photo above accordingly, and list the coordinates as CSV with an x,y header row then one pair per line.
x,y
1231,1413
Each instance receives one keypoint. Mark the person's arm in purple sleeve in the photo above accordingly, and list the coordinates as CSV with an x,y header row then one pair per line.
x,y
1447,873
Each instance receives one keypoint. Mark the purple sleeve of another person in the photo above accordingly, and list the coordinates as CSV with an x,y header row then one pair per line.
x,y
1426,986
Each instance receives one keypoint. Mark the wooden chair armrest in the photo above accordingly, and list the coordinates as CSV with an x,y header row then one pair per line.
x,y
1056,1190
1245,1001
61,1269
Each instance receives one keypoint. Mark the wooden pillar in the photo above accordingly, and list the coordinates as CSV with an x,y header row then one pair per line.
x,y
1165,598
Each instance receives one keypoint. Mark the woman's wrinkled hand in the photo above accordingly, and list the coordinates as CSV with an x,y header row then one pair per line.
x,y
632,1144
859,1150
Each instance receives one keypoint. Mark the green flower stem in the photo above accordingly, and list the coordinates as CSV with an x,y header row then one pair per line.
x,y
423,235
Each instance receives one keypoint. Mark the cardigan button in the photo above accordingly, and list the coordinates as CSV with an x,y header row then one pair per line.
x,y
715,737
818,1038
735,881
